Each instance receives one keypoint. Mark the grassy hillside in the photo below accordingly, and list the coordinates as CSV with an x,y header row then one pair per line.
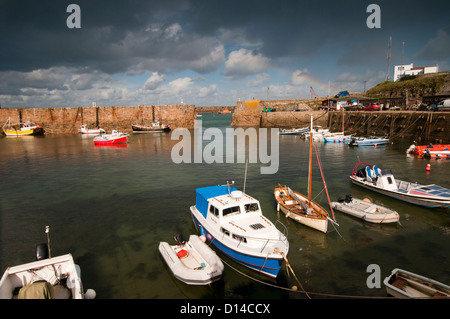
x,y
417,86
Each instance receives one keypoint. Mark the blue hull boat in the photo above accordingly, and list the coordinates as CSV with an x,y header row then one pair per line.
x,y
233,222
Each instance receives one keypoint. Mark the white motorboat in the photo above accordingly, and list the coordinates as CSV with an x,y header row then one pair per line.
x,y
366,210
47,278
233,222
384,182
85,130
293,131
368,141
407,285
193,262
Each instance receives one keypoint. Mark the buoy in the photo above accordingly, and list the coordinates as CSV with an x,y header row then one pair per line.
x,y
294,288
428,167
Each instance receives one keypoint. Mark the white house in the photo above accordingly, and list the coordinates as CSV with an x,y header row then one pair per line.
x,y
409,69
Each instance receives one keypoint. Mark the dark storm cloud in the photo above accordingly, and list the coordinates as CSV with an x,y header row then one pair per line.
x,y
137,36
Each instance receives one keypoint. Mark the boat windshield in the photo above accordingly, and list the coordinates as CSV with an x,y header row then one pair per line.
x,y
253,207
231,211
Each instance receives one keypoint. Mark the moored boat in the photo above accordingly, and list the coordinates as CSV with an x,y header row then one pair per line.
x,y
337,137
233,222
156,127
434,151
192,262
115,137
301,208
366,210
85,130
368,141
46,278
22,129
383,181
293,131
295,206
407,285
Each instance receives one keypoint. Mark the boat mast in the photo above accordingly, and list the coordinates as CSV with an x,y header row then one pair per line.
x,y
310,160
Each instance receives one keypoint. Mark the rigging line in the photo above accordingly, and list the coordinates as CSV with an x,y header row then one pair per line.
x,y
304,292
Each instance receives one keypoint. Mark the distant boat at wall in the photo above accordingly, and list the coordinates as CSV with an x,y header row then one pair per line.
x,y
85,130
115,137
22,129
156,127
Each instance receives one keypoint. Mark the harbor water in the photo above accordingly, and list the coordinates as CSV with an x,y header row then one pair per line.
x,y
111,206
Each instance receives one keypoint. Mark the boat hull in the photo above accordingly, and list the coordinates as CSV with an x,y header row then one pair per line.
x,y
32,131
426,201
407,285
319,223
199,265
110,141
149,129
24,275
263,264
367,211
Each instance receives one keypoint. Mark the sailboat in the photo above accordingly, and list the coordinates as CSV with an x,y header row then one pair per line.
x,y
301,208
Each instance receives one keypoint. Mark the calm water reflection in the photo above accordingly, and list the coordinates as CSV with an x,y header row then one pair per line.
x,y
111,206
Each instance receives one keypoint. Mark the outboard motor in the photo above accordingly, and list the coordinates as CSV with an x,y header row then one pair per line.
x,y
179,239
41,252
348,198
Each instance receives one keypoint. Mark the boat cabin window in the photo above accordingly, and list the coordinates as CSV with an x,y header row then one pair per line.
x,y
213,210
389,179
239,238
253,207
226,232
231,210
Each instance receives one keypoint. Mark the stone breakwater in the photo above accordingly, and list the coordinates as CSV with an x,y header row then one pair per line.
x,y
62,120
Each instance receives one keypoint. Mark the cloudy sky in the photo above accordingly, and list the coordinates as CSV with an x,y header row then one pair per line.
x,y
208,52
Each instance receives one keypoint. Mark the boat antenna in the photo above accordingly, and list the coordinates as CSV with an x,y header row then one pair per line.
x,y
47,231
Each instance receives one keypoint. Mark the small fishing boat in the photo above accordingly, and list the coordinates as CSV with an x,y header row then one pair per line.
x,y
115,137
22,129
407,285
85,130
368,141
366,210
46,278
155,128
192,262
293,131
233,222
294,205
384,182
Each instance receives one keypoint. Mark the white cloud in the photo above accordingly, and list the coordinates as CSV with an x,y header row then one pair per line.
x,y
299,76
258,80
153,81
244,62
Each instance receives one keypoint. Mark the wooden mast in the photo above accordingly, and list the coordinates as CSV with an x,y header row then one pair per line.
x,y
310,161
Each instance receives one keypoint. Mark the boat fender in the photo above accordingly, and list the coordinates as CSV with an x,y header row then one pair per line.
x,y
41,252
